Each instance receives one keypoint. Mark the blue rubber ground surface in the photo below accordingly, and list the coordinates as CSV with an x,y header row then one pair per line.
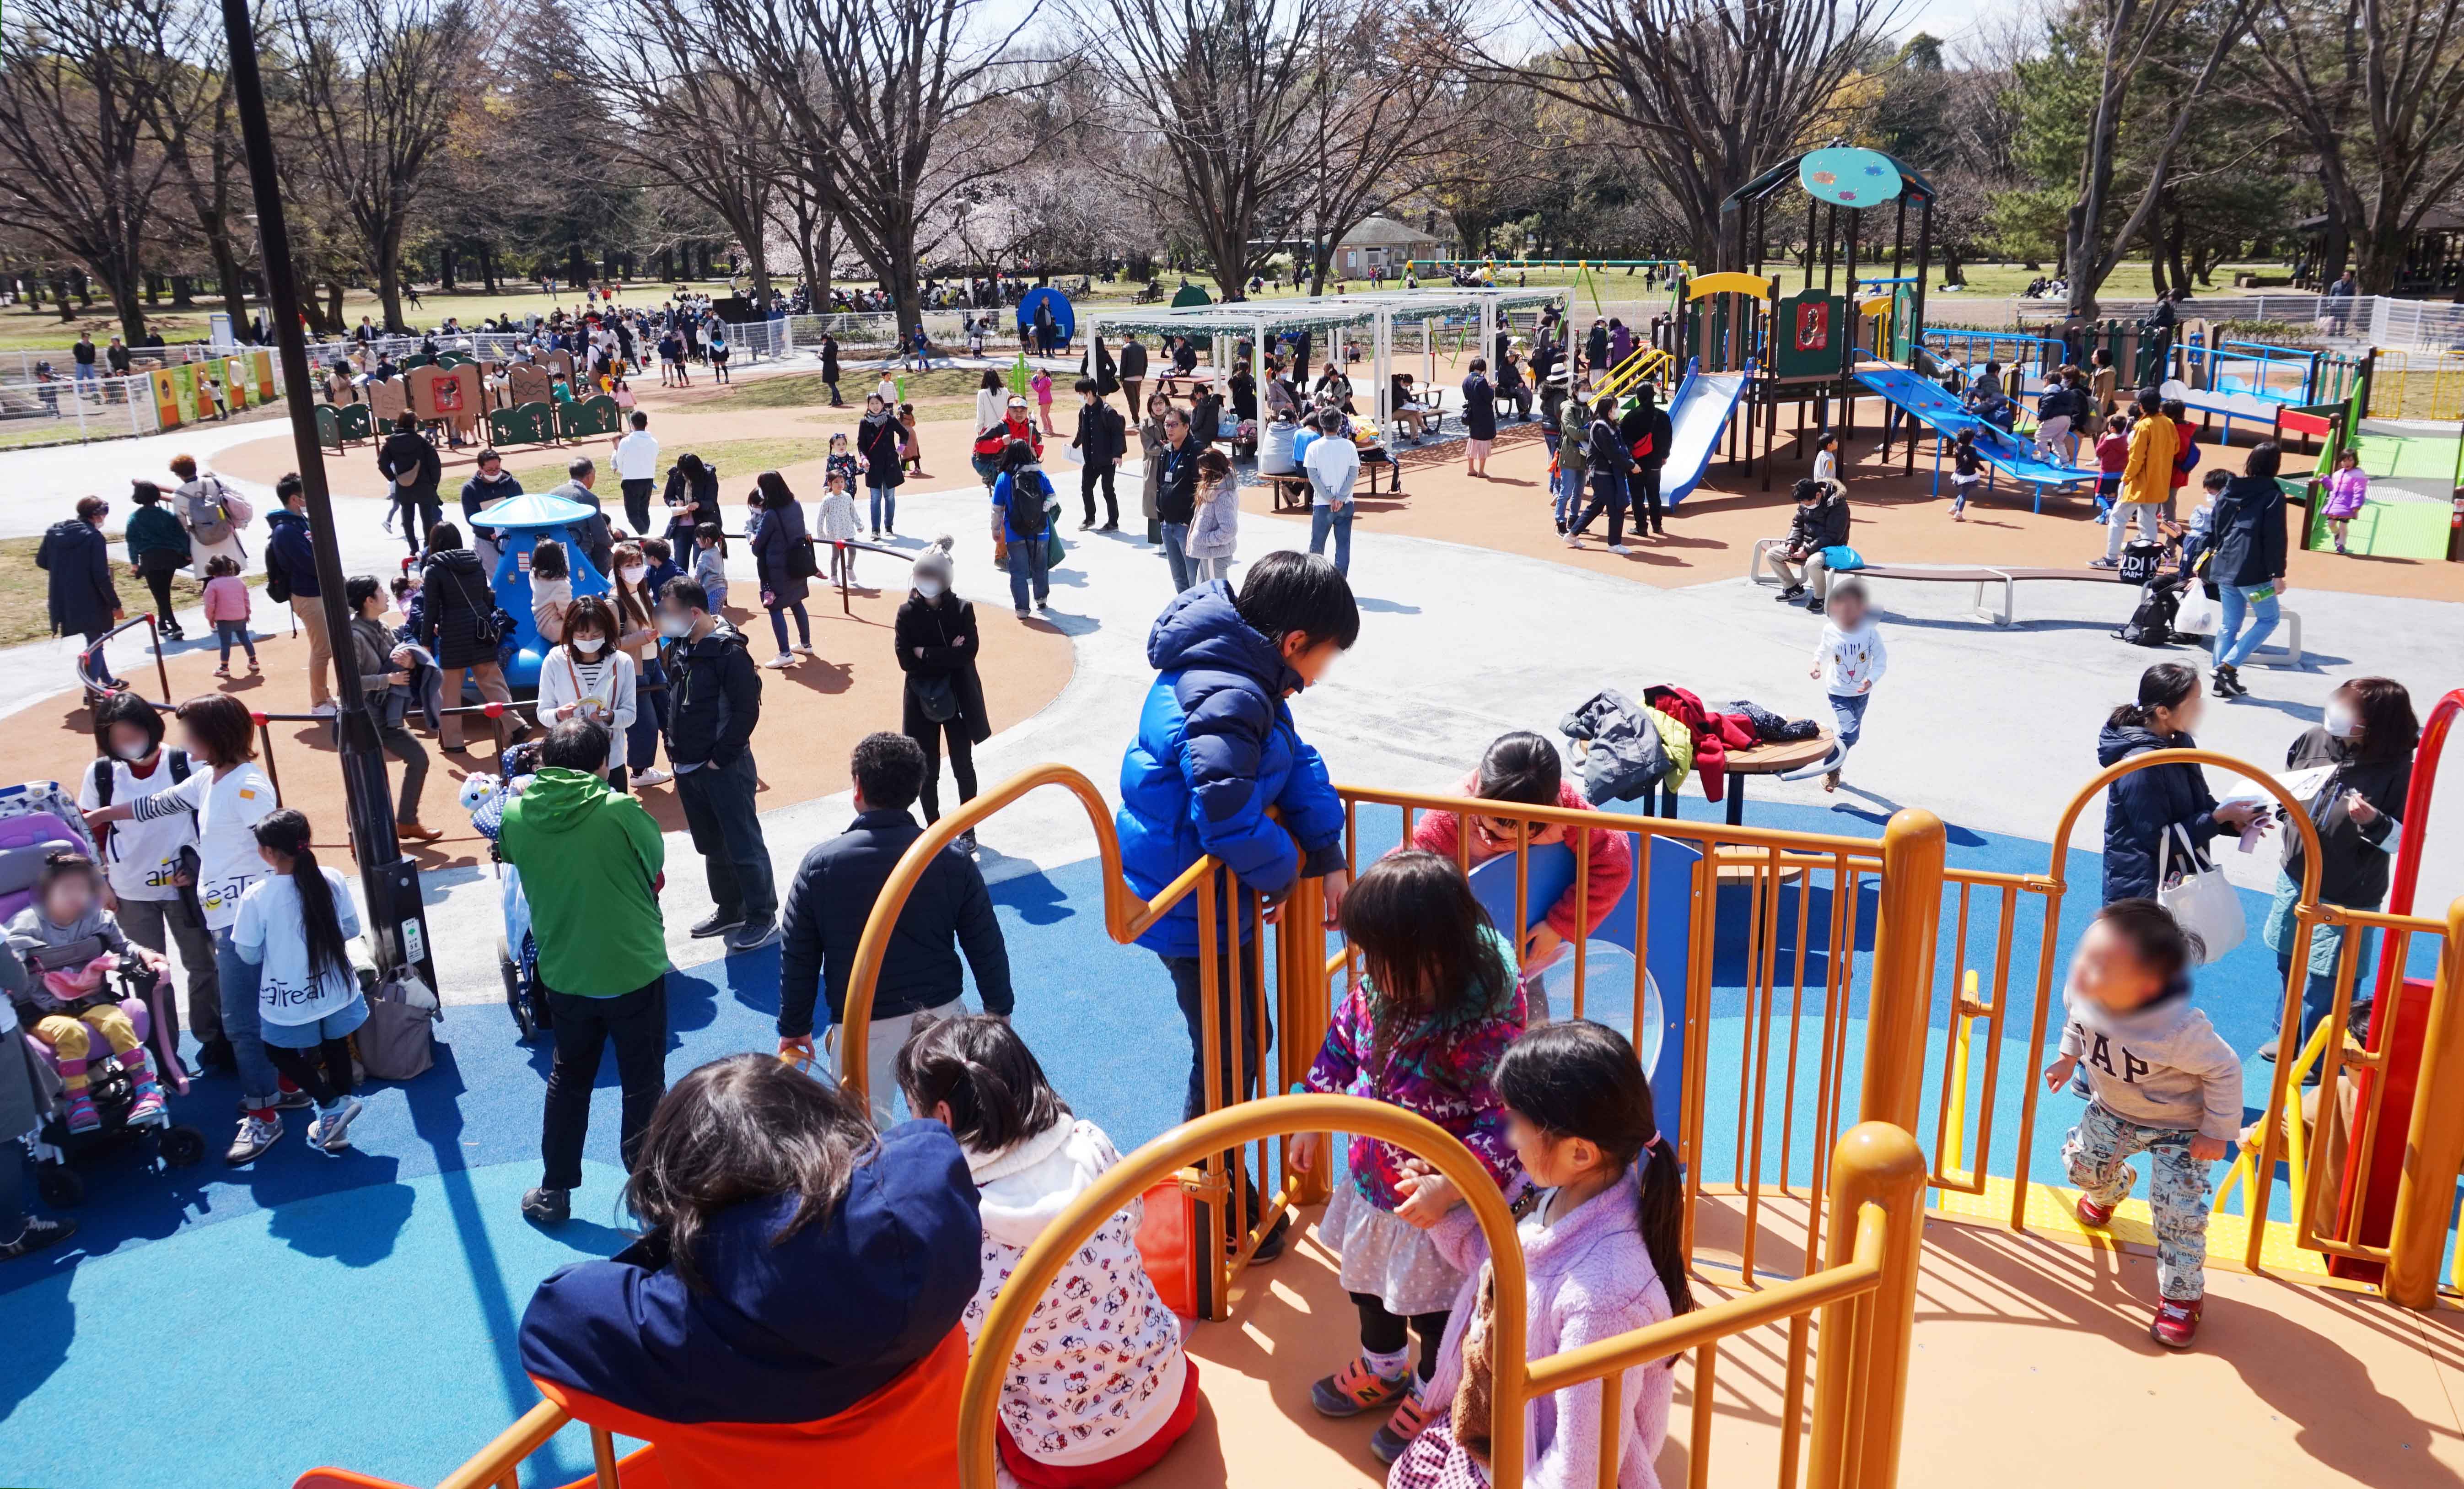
x,y
359,1310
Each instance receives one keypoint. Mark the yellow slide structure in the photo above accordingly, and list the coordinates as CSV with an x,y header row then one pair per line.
x,y
1646,364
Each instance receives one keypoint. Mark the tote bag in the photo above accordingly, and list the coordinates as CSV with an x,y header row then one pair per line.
x,y
2197,894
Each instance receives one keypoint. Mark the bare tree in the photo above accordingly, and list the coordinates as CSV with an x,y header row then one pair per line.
x,y
1228,88
374,87
2375,89
1715,91
1390,84
79,168
2131,31
194,119
871,96
703,128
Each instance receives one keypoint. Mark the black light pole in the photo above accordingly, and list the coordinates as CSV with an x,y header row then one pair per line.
x,y
397,921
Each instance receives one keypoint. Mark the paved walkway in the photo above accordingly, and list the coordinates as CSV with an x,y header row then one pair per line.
x,y
1993,728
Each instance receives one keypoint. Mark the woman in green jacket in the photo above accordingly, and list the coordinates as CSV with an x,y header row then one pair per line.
x,y
158,547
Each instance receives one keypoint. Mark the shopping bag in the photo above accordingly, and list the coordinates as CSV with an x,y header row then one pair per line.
x,y
2204,903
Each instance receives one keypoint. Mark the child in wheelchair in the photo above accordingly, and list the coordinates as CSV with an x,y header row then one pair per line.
x,y
77,956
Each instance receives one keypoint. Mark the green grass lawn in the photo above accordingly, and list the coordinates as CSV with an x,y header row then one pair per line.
x,y
25,590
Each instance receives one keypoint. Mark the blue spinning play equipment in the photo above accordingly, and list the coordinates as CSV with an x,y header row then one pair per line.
x,y
1064,318
519,525
1660,1040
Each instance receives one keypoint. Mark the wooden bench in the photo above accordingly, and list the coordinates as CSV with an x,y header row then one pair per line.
x,y
2010,578
1291,493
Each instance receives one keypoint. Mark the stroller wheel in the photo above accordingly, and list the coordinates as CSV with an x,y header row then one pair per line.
x,y
182,1146
59,1185
517,1002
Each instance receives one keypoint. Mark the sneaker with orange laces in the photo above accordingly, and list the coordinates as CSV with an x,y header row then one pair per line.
x,y
1356,1388
1396,1433
2092,1216
2177,1322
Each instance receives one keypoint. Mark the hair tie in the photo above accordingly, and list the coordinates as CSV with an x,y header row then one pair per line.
x,y
1651,1142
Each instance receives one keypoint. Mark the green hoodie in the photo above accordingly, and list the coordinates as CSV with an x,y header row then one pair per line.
x,y
590,861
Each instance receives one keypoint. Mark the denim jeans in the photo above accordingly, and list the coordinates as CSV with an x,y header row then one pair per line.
x,y
637,1023
228,634
1027,573
1186,992
1336,519
1569,496
2318,987
1175,535
885,508
649,718
727,833
1848,717
778,623
242,1024
2234,645
1608,495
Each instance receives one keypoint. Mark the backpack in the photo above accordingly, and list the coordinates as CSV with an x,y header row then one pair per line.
x,y
2151,624
1027,506
2186,458
105,783
226,512
2139,560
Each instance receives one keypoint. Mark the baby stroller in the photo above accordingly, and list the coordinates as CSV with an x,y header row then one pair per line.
x,y
486,798
143,996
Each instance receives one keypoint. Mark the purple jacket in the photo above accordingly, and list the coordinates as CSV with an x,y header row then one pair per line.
x,y
1589,1279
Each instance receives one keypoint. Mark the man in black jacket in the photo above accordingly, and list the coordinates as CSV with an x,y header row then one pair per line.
x,y
410,463
714,700
1102,437
1133,371
489,484
1646,432
833,896
1176,493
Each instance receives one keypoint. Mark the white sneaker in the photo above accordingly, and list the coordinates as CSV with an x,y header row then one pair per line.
x,y
1620,547
806,651
254,1138
323,710
330,1128
782,660
1573,540
653,776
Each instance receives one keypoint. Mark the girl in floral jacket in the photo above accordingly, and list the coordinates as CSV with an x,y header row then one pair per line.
x,y
1423,1029
1098,1387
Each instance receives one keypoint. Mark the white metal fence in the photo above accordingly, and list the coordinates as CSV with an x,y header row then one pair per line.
x,y
66,410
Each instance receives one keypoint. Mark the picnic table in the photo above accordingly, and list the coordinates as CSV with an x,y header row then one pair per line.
x,y
1776,758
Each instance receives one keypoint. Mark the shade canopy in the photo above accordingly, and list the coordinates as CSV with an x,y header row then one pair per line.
x,y
536,509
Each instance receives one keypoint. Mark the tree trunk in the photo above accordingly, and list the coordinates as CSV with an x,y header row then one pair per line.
x,y
184,291
445,268
488,265
60,293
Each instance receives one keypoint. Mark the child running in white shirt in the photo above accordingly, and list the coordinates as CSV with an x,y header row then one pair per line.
x,y
1848,660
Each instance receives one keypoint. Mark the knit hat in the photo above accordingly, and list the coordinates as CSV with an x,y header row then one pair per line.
x,y
934,562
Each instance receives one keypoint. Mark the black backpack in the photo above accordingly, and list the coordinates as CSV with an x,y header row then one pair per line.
x,y
2151,624
2140,559
105,783
1027,506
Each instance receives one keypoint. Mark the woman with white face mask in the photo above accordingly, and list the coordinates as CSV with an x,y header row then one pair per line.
x,y
937,641
591,677
2353,771
636,609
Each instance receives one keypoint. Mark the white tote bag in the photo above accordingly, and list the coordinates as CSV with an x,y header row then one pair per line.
x,y
2202,903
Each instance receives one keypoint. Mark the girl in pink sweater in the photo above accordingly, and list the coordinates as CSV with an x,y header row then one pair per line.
x,y
227,611
1525,768
1601,1231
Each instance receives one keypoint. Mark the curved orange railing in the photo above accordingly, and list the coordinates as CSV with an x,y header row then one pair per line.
x,y
1866,1295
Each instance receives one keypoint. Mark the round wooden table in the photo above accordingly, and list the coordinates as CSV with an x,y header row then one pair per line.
x,y
1777,758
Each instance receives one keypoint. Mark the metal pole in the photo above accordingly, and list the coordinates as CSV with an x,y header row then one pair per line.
x,y
397,921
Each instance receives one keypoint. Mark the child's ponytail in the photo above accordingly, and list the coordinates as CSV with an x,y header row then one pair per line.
x,y
1582,1080
285,832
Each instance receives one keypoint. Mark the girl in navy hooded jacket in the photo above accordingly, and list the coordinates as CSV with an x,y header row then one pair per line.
x,y
793,1314
2142,808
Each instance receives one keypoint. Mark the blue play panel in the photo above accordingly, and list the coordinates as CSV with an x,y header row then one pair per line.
x,y
360,1310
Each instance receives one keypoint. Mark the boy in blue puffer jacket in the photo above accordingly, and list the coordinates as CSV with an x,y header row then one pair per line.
x,y
1216,748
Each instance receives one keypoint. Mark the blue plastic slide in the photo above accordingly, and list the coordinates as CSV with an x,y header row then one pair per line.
x,y
1938,411
1696,417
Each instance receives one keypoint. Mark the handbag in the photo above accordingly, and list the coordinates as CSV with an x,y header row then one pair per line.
x,y
801,561
1841,559
937,697
398,1040
2202,901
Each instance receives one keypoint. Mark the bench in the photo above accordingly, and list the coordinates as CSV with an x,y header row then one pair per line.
x,y
2010,578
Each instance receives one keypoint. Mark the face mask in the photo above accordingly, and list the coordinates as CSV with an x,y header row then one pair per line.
x,y
631,573
2342,721
133,752
675,628
929,588
589,646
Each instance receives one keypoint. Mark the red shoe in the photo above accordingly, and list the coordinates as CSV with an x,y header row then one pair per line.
x,y
2092,1216
2177,1323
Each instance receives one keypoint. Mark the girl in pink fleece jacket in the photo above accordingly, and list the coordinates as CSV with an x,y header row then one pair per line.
x,y
1525,768
1601,1231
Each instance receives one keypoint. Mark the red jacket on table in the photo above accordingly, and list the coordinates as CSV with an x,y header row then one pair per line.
x,y
1611,854
1714,734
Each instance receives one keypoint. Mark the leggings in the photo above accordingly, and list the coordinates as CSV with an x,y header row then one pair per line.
x,y
962,765
324,1073
778,623
159,581
1382,1332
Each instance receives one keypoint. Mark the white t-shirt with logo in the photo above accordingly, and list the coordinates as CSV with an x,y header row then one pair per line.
x,y
142,858
272,933
228,811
